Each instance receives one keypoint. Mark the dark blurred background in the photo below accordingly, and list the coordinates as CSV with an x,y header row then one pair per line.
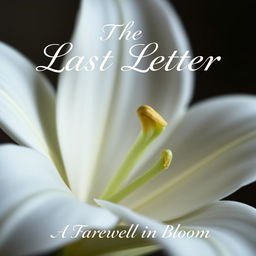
x,y
215,27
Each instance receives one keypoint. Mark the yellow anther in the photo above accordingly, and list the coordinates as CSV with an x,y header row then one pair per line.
x,y
150,118
167,158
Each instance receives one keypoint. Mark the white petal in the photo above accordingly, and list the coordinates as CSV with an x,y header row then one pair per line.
x,y
27,103
173,246
97,123
35,203
133,251
232,226
100,245
214,155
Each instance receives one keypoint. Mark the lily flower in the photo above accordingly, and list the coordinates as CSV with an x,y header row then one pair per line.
x,y
80,144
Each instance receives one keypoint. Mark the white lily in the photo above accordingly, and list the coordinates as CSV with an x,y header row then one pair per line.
x,y
213,144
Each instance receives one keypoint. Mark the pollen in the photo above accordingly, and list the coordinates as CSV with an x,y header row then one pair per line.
x,y
150,118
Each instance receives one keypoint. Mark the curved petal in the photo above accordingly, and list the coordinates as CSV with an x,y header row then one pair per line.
x,y
173,246
27,104
131,244
213,156
232,226
96,108
35,204
133,251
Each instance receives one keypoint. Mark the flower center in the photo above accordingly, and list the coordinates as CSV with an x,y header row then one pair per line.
x,y
152,125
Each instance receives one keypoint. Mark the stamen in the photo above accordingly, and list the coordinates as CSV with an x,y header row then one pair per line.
x,y
162,164
152,125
